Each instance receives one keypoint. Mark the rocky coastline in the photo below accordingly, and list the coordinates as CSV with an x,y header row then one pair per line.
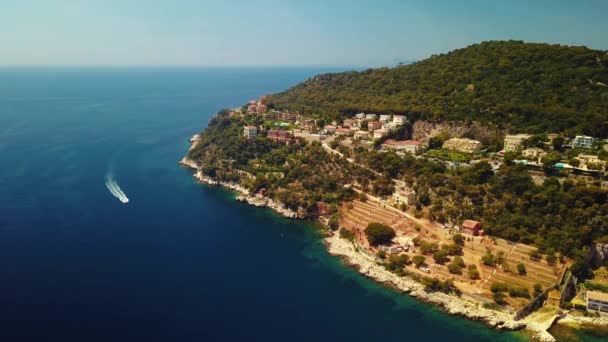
x,y
367,265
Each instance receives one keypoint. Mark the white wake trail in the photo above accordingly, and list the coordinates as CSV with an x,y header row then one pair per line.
x,y
115,189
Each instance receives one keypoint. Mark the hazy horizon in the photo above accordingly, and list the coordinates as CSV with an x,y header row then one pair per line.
x,y
272,33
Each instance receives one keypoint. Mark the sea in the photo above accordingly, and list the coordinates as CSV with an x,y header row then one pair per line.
x,y
104,237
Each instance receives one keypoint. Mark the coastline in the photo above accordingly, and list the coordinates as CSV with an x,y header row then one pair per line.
x,y
367,265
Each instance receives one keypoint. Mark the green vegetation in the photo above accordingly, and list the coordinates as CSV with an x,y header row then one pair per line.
x,y
347,234
514,291
473,272
527,87
448,155
379,234
418,260
521,269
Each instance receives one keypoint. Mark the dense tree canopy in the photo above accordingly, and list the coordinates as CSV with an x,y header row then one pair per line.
x,y
522,86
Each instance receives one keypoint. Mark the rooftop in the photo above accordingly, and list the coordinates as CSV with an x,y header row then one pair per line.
x,y
597,295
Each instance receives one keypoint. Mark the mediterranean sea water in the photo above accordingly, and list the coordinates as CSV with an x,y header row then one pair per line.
x,y
179,261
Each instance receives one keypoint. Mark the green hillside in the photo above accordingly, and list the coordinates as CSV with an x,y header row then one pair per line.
x,y
515,85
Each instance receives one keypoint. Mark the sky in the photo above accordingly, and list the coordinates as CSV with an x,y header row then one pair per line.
x,y
281,33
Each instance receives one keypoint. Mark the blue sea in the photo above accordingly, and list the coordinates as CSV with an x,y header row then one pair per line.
x,y
180,261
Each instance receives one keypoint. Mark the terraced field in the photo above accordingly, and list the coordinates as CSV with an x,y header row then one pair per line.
x,y
357,215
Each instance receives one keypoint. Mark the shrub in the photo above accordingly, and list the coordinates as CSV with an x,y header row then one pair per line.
x,y
538,289
535,255
382,254
418,260
399,260
499,297
378,234
516,291
499,287
473,272
347,234
440,257
458,239
488,259
521,269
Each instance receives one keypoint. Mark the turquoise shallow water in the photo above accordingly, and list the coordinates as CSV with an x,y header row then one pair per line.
x,y
181,261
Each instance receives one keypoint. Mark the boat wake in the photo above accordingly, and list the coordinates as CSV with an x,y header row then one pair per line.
x,y
115,189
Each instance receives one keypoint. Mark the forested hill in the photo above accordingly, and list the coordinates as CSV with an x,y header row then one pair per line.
x,y
516,85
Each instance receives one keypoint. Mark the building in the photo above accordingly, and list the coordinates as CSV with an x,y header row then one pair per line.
x,y
351,123
374,125
597,301
533,153
289,116
462,145
554,299
256,107
390,126
380,133
470,227
281,136
362,134
399,119
409,146
583,141
371,116
330,129
385,117
590,162
308,125
250,132
514,142
407,197
344,131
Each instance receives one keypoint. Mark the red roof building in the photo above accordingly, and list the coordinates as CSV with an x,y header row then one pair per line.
x,y
281,136
470,227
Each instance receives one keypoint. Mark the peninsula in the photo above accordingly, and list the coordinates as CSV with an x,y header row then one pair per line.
x,y
474,180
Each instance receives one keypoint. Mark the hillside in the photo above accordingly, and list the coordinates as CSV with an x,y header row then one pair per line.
x,y
515,85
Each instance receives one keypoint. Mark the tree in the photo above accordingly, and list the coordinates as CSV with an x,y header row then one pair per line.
x,y
378,234
538,289
473,272
458,239
499,297
488,259
334,221
521,269
535,255
551,259
456,265
440,256
399,260
418,260
500,258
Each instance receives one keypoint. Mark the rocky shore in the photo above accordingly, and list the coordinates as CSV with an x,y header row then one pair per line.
x,y
366,264
244,195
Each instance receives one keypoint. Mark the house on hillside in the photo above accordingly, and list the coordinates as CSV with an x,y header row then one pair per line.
x,y
374,125
597,301
583,141
462,145
403,196
380,133
399,119
409,146
470,227
250,132
385,117
514,142
362,134
280,136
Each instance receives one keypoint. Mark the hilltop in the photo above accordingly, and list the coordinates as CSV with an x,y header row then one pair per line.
x,y
510,84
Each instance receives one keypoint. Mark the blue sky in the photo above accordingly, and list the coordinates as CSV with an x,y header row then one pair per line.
x,y
288,32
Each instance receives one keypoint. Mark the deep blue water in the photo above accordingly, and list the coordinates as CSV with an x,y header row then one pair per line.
x,y
181,261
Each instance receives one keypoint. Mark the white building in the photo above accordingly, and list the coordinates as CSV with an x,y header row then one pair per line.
x,y
360,116
399,119
250,132
385,117
597,301
407,197
583,141
371,116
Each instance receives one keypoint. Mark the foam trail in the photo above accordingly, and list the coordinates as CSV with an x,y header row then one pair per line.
x,y
115,189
